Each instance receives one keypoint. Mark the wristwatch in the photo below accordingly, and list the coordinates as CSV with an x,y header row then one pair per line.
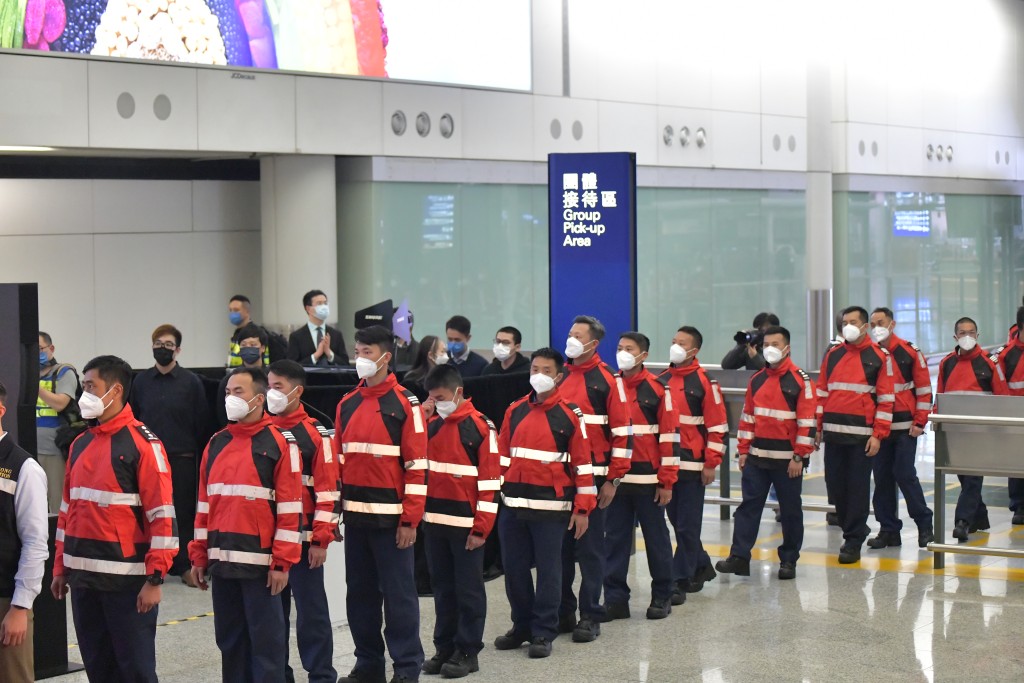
x,y
155,579
616,482
798,458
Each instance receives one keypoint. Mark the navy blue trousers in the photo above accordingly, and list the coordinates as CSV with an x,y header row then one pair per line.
x,y
848,477
756,482
623,514
686,513
251,632
589,553
460,600
118,644
1016,490
379,575
312,621
970,506
893,467
527,543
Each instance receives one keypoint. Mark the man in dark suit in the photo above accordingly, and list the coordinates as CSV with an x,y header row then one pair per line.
x,y
468,363
317,344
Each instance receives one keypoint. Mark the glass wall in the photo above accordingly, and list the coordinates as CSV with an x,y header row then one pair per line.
x,y
714,259
932,258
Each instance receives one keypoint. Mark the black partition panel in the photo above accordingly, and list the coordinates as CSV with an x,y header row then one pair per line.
x,y
19,359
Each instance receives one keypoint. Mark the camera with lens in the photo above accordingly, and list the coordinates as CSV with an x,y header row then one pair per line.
x,y
751,337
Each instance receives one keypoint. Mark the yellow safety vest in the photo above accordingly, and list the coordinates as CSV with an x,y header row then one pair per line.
x,y
235,357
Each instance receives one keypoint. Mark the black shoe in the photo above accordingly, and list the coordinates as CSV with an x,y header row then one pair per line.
x,y
734,565
1018,518
586,631
616,610
433,665
493,572
981,523
704,574
849,554
540,648
885,539
403,679
567,623
961,530
787,571
659,609
511,640
778,515
832,519
925,535
460,665
679,592
357,676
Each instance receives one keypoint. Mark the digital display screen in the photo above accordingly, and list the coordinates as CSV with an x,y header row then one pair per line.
x,y
439,221
917,223
462,42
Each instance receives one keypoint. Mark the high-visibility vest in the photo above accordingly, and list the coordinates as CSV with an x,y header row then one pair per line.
x,y
235,358
45,415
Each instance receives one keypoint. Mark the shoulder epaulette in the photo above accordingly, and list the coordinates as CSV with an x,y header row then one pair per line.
x,y
490,425
147,434
321,429
576,409
912,345
288,436
409,395
807,378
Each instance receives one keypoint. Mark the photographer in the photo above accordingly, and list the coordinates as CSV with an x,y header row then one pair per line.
x,y
746,355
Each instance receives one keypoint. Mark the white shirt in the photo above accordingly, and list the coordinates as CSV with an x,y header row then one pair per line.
x,y
33,528
312,332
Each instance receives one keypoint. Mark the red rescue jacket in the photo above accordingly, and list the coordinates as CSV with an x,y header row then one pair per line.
x,y
545,459
465,471
778,419
703,423
116,522
1008,358
971,372
382,438
855,393
321,478
248,517
655,426
912,384
598,393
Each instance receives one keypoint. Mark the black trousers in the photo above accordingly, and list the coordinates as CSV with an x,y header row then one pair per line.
x,y
460,601
848,476
118,644
185,480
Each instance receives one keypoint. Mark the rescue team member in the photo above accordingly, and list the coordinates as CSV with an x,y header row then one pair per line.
x,y
776,439
644,491
116,536
23,552
967,370
462,455
598,393
894,464
321,513
703,427
1008,359
855,404
380,432
548,485
247,531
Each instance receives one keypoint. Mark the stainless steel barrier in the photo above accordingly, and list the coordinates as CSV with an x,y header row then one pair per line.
x,y
734,391
974,435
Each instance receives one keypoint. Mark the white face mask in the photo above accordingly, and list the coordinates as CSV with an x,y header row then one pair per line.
x,y
322,311
277,401
677,354
880,334
851,333
625,360
574,348
965,342
92,406
773,354
446,408
441,359
502,352
237,408
366,367
541,383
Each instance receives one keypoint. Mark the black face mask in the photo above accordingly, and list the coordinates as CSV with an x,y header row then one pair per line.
x,y
163,357
249,354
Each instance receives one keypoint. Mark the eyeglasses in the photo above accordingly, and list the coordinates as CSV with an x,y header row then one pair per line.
x,y
165,345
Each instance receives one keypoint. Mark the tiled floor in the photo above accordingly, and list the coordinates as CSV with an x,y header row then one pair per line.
x,y
889,618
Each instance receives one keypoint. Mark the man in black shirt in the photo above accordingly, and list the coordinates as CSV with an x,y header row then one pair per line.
x,y
745,355
468,363
171,401
507,358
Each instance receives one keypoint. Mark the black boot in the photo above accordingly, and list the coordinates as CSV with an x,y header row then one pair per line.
x,y
885,539
432,666
734,565
460,665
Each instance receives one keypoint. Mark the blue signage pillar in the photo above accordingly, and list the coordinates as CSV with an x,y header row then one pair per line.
x,y
592,248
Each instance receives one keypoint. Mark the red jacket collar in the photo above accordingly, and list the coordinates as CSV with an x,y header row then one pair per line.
x,y
291,419
637,379
864,343
389,383
785,366
247,430
551,400
962,355
119,421
464,410
684,370
594,361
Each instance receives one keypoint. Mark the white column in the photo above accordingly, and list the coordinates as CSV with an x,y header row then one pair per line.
x,y
820,281
299,237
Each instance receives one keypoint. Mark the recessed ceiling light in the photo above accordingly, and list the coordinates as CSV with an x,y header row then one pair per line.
x,y
26,148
